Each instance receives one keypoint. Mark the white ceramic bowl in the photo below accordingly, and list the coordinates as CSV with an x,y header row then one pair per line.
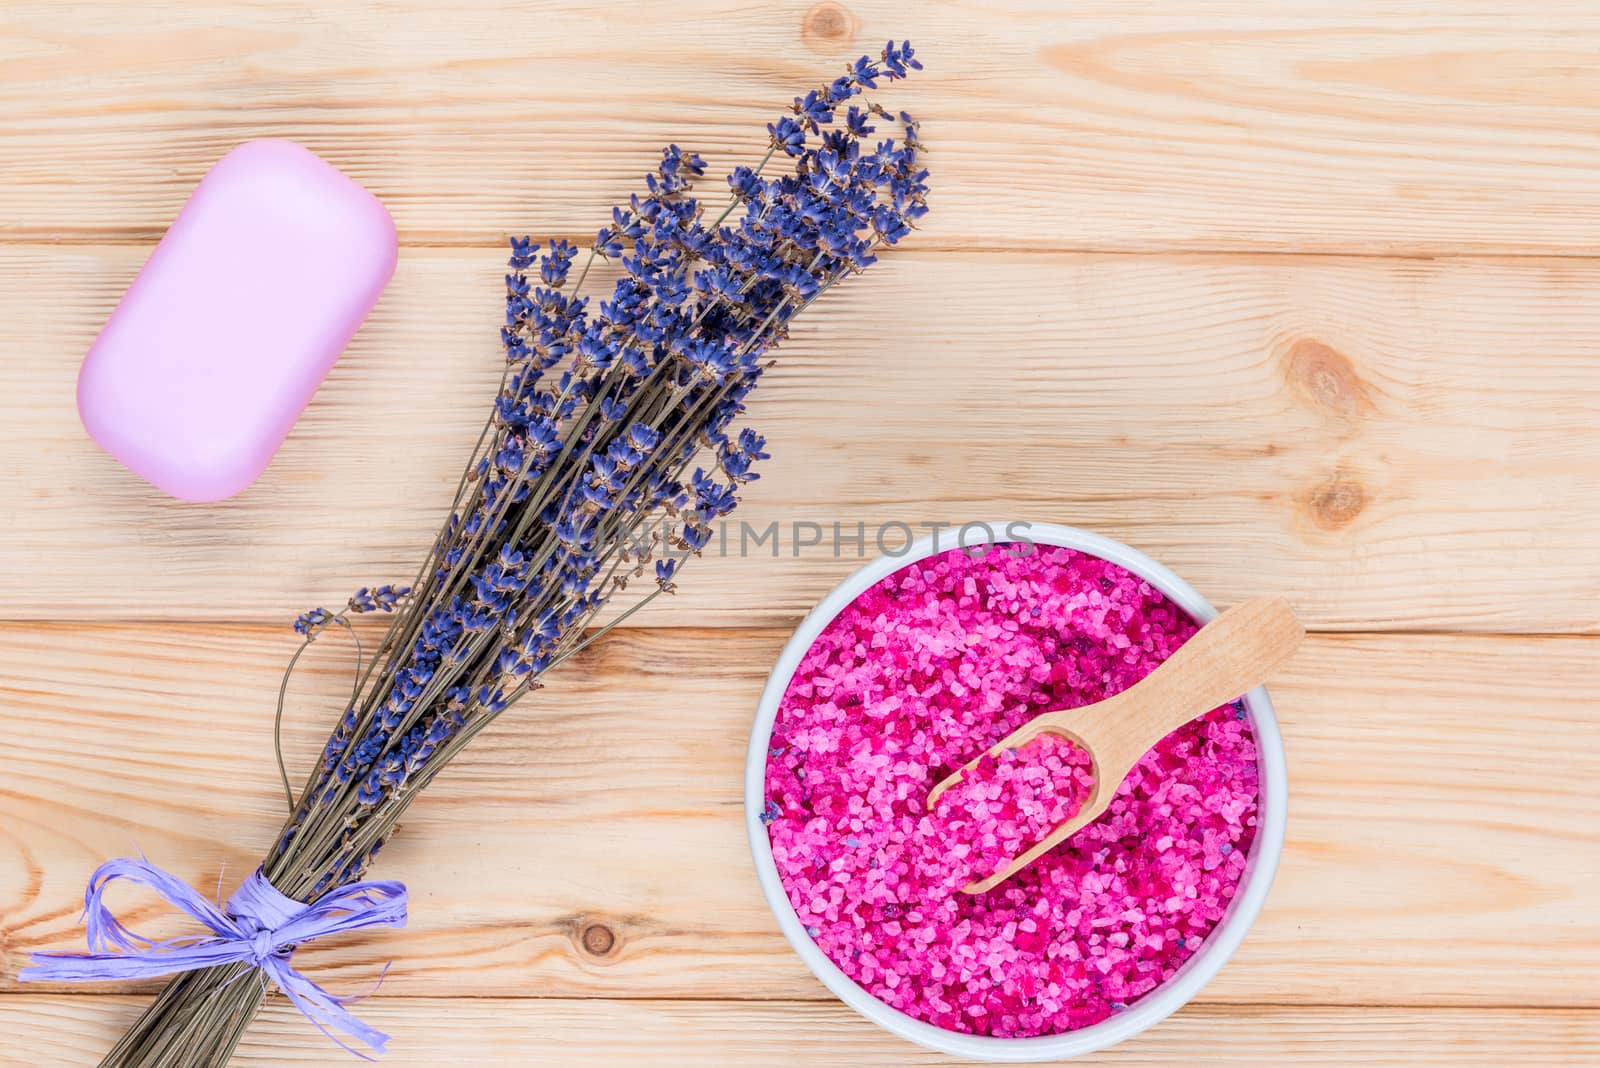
x,y
1154,1006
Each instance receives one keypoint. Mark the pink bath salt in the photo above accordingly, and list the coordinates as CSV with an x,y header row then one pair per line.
x,y
1005,805
935,664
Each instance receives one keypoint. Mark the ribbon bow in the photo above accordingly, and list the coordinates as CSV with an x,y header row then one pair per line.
x,y
259,926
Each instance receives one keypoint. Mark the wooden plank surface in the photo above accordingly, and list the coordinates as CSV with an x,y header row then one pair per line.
x,y
1378,440
1229,124
497,1032
1353,359
1398,884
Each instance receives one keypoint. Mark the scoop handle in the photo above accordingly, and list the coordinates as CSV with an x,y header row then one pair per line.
x,y
1225,659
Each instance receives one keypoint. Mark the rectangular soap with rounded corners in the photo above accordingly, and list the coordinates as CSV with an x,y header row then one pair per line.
x,y
235,320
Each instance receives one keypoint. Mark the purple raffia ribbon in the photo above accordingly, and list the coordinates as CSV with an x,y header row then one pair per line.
x,y
259,926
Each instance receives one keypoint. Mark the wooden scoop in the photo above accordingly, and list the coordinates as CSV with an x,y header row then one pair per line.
x,y
1227,657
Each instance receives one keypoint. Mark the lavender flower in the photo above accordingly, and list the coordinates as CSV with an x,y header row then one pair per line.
x,y
615,440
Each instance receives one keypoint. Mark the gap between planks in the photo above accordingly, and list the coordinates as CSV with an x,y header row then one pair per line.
x,y
913,245
496,249
822,996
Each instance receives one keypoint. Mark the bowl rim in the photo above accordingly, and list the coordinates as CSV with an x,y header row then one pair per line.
x,y
1154,1006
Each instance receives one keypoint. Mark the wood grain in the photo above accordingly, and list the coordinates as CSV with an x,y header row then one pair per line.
x,y
1398,444
1377,440
499,1032
1378,127
1399,883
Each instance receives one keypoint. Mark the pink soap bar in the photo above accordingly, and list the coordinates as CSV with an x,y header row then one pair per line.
x,y
235,320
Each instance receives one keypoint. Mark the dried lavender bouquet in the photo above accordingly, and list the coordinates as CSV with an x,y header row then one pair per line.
x,y
584,478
